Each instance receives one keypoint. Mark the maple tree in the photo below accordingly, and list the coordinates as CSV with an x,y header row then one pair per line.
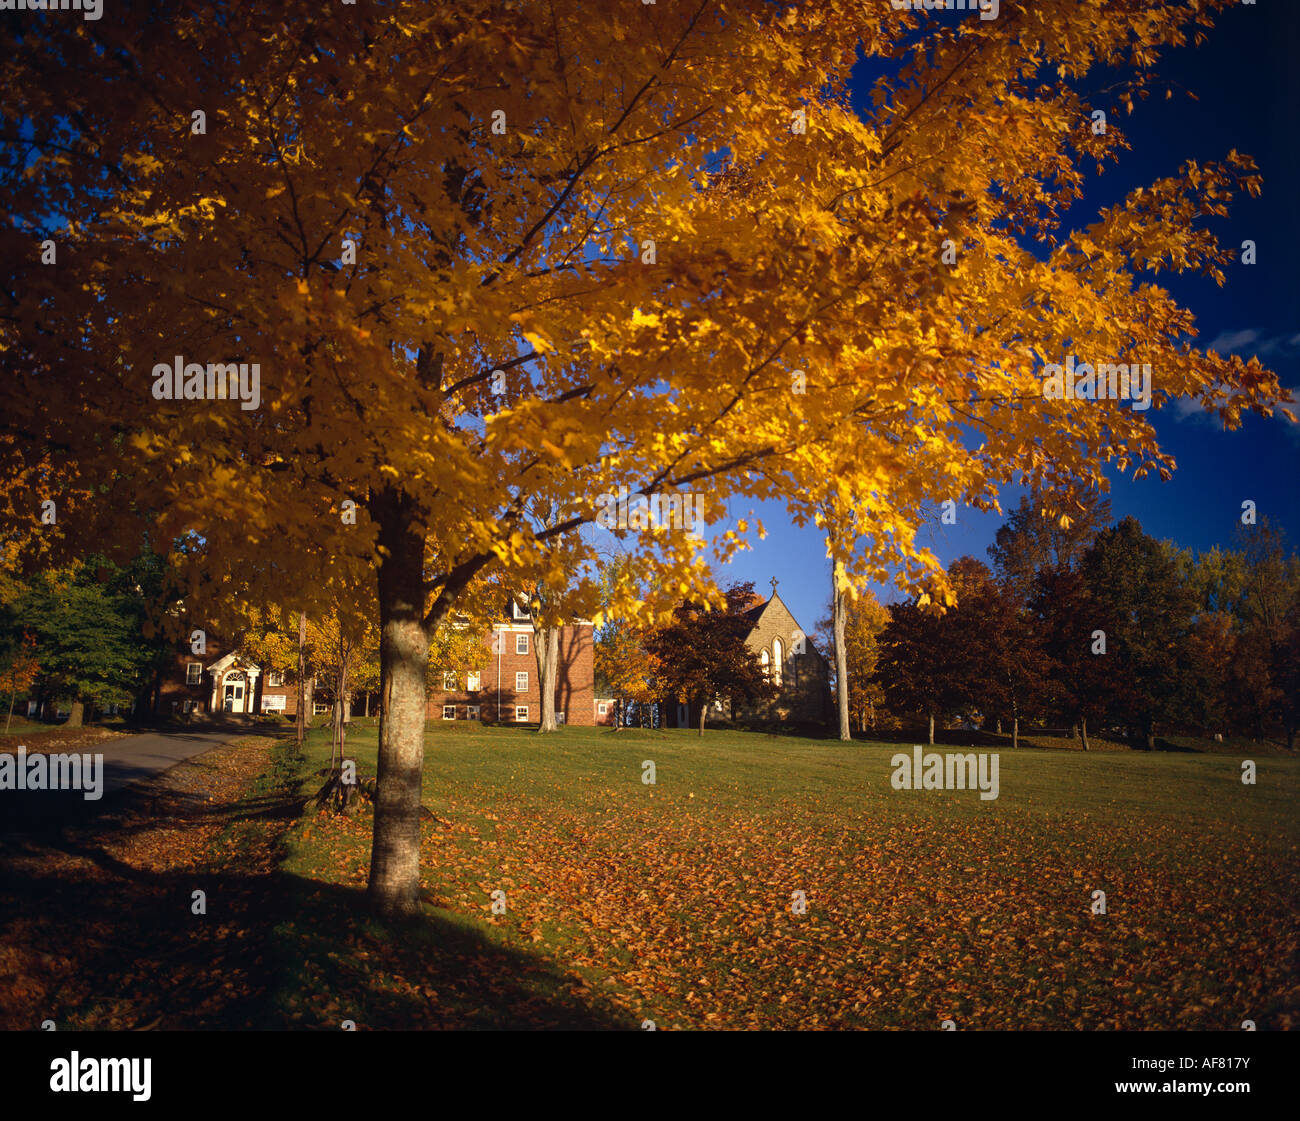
x,y
270,639
994,657
483,256
340,645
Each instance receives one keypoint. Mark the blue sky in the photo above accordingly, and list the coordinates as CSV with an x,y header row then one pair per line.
x,y
1247,91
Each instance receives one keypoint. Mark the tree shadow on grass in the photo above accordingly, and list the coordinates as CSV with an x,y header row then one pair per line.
x,y
92,940
436,970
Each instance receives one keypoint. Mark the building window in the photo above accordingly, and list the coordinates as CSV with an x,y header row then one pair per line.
x,y
559,718
602,708
189,706
778,654
521,682
449,712
275,680
319,708
475,682
519,612
194,673
449,679
471,712
766,661
521,644
521,712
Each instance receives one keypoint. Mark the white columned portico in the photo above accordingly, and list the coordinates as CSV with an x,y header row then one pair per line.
x,y
239,672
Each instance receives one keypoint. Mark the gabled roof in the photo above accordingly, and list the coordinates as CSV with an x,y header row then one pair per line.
x,y
755,614
223,664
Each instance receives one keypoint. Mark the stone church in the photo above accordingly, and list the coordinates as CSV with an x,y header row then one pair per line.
x,y
790,661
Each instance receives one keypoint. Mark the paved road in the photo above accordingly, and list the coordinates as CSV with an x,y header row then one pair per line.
x,y
126,761
133,758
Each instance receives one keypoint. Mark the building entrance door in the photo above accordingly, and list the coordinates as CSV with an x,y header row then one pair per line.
x,y
234,700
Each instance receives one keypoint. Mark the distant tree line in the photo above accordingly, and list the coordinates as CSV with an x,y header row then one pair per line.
x,y
1093,625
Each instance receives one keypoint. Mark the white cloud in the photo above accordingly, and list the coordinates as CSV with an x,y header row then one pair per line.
x,y
1229,342
1251,341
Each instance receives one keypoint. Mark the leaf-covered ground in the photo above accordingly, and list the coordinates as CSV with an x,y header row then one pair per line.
x,y
97,922
670,902
673,902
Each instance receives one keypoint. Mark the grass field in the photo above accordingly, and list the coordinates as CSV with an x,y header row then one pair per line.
x,y
672,902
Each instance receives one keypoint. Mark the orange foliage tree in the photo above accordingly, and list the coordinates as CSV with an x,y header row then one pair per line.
x,y
478,256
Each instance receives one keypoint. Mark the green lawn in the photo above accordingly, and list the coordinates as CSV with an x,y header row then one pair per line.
x,y
672,902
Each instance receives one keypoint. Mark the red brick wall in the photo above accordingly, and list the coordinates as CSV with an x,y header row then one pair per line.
x,y
575,682
173,687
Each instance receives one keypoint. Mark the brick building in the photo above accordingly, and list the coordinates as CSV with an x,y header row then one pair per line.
x,y
221,680
505,690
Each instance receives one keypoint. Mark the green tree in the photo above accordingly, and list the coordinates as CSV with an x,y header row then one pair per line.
x,y
87,623
1146,611
1079,681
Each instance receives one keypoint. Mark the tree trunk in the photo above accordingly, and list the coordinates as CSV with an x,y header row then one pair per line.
x,y
302,679
704,710
340,708
367,703
1074,731
74,717
841,654
546,643
1015,731
1083,731
932,729
394,887
9,719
